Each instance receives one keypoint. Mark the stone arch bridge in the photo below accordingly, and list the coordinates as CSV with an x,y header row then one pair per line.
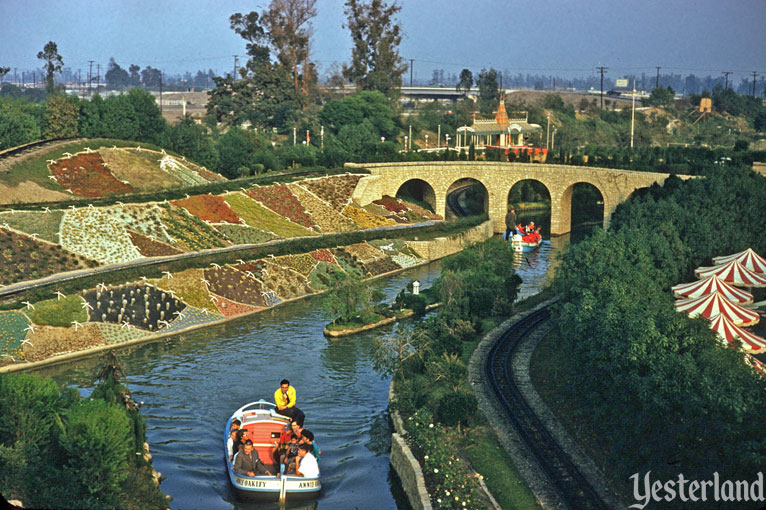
x,y
437,179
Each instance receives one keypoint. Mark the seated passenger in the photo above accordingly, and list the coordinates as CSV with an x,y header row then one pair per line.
x,y
248,463
308,438
307,466
235,424
239,441
288,458
531,227
230,444
285,398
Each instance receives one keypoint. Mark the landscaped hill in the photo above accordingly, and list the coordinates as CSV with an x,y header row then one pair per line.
x,y
124,232
97,168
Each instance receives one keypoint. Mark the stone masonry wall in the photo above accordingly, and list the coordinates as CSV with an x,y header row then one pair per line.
x,y
614,185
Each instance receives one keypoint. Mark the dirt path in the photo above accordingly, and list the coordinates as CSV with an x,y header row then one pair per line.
x,y
7,162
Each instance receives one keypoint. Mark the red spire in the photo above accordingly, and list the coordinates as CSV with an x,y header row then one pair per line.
x,y
502,117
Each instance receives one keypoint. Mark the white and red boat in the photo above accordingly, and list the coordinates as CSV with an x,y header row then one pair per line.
x,y
264,426
525,243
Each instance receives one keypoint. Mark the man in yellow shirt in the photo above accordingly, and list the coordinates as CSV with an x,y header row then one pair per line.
x,y
284,398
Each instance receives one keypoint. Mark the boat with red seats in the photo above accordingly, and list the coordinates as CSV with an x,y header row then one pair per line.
x,y
524,240
265,426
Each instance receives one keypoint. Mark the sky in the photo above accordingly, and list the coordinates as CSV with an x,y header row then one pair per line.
x,y
551,37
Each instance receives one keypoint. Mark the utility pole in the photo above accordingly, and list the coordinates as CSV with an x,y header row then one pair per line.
x,y
90,74
754,75
633,114
412,65
548,132
234,74
657,81
726,74
160,92
14,76
602,69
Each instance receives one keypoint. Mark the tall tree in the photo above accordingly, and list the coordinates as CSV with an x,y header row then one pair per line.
x,y
53,63
151,77
489,94
135,77
289,27
466,81
116,77
375,61
4,71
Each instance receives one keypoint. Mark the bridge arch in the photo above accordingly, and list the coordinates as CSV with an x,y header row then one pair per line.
x,y
418,189
468,184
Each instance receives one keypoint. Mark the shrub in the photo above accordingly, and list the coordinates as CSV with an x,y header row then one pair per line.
x,y
456,408
416,303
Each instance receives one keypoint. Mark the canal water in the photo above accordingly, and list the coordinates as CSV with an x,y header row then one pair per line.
x,y
191,383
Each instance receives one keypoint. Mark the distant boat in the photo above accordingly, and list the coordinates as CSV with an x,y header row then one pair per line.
x,y
526,243
264,426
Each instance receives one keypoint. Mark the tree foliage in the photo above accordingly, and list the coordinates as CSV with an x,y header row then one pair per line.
x,y
375,35
62,115
53,63
636,366
465,82
489,94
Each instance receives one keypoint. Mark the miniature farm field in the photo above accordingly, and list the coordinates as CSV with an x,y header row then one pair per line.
x,y
325,216
45,224
24,258
281,200
264,219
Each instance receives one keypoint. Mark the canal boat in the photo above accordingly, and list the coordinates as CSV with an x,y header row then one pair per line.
x,y
526,243
265,426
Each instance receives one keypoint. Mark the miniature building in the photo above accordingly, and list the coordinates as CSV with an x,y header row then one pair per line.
x,y
501,132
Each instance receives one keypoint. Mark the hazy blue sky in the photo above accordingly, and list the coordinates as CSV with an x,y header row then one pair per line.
x,y
563,37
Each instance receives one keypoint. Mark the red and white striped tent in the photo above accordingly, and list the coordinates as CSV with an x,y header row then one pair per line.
x,y
754,362
729,331
713,304
748,258
709,285
734,273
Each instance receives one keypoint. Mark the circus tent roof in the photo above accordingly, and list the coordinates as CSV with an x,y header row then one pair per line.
x,y
734,273
728,331
712,284
714,304
748,258
757,364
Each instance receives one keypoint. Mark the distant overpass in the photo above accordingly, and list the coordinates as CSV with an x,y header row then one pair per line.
x,y
432,92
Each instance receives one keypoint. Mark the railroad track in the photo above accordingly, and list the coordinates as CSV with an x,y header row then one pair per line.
x,y
573,488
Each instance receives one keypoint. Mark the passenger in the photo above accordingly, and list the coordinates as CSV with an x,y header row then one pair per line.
x,y
230,444
308,438
248,463
281,446
284,398
235,424
288,459
531,227
307,465
239,441
297,429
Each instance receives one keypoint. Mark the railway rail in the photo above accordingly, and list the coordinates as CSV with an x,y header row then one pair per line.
x,y
566,478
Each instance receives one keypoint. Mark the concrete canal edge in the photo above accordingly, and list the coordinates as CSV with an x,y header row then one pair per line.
x,y
405,464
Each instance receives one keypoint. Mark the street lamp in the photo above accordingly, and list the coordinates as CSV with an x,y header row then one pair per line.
x,y
426,141
382,139
446,139
405,142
